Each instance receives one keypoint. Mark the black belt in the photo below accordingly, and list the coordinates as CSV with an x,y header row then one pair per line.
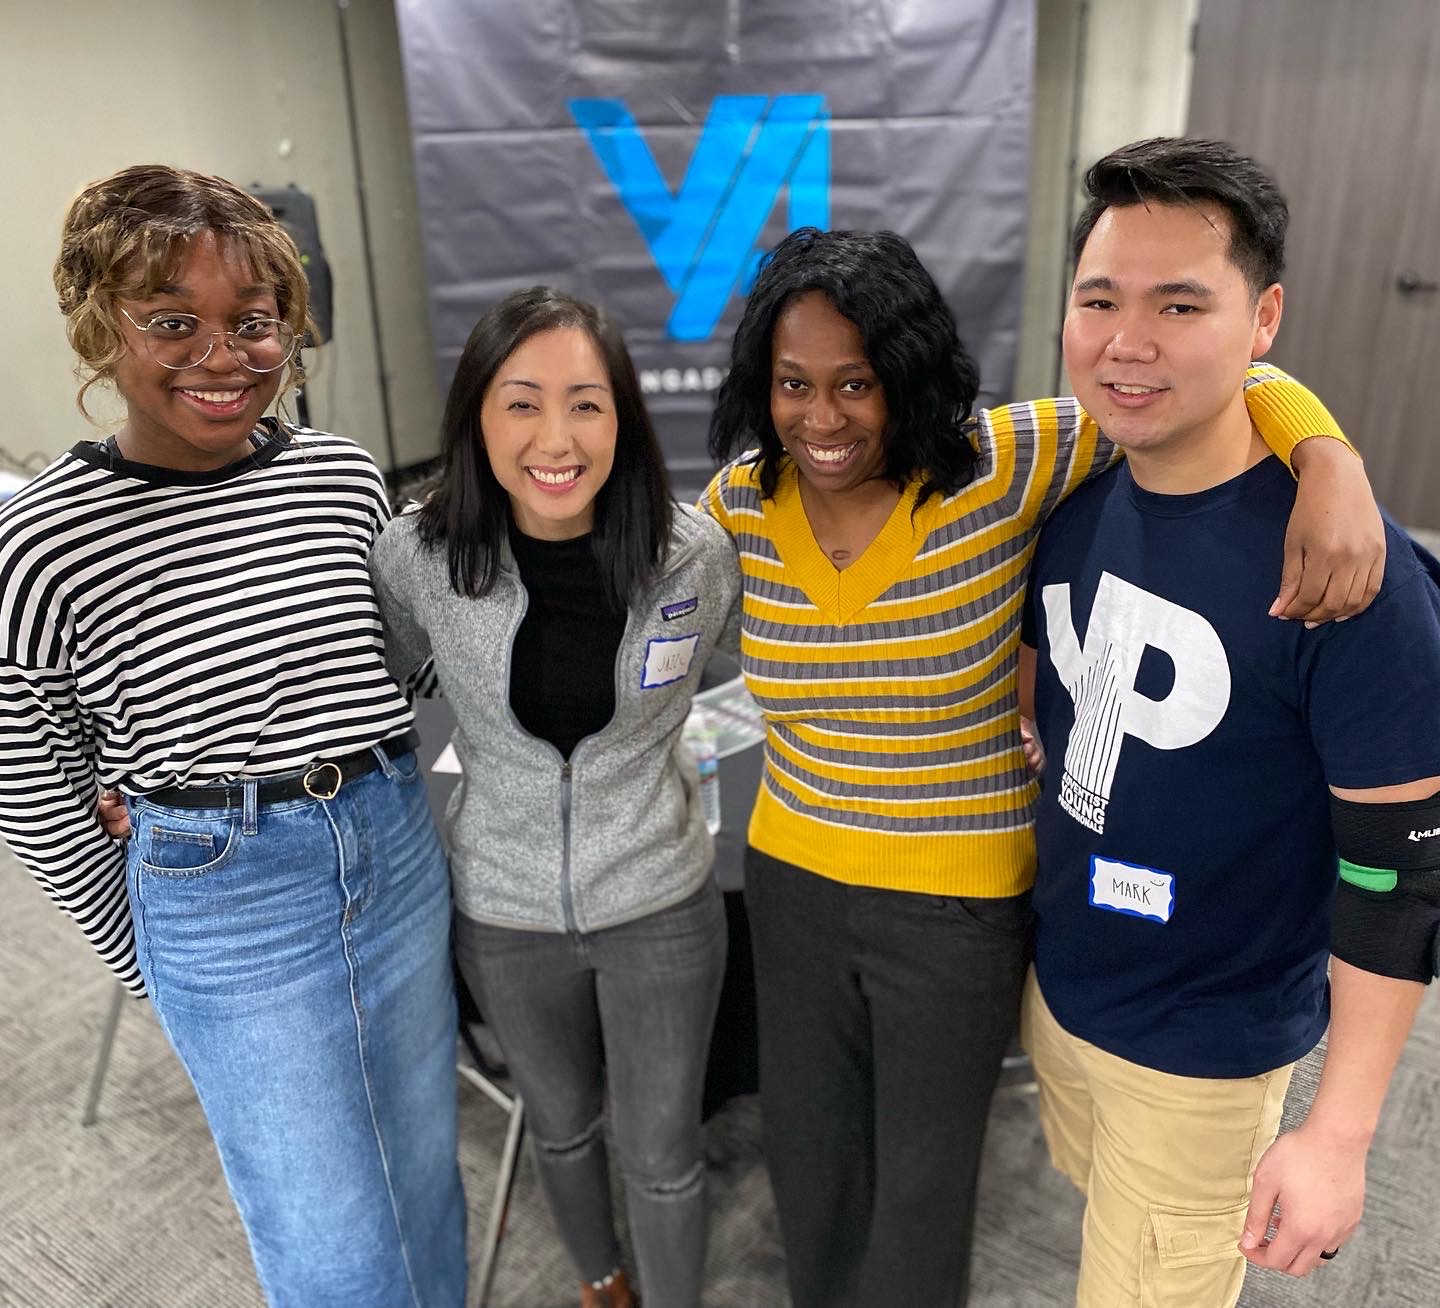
x,y
321,780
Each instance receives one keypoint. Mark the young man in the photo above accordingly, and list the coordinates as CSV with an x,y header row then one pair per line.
x,y
1206,764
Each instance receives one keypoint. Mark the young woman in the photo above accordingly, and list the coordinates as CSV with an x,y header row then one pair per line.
x,y
570,608
884,546
188,616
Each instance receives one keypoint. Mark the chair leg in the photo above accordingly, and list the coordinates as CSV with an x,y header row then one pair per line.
x,y
500,1205
102,1058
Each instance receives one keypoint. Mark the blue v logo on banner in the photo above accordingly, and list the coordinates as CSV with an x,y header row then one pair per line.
x,y
703,236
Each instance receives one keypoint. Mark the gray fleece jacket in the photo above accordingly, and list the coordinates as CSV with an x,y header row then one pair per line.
x,y
616,832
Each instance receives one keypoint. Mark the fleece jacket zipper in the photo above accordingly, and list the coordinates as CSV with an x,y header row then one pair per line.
x,y
567,769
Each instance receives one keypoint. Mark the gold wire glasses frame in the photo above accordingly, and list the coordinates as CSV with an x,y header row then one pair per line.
x,y
175,341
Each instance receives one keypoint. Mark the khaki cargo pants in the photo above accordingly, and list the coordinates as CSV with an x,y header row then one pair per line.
x,y
1164,1163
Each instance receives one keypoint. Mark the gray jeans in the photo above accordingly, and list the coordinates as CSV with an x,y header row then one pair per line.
x,y
629,1007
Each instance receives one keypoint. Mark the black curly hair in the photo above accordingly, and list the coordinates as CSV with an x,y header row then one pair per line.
x,y
930,381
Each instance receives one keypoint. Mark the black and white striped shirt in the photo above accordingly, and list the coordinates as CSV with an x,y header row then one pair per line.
x,y
166,628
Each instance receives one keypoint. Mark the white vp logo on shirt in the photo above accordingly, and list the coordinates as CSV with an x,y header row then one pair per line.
x,y
1101,680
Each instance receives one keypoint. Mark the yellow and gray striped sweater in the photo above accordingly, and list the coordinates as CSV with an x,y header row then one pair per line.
x,y
892,743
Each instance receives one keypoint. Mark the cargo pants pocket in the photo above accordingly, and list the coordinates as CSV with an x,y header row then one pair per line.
x,y
1192,1258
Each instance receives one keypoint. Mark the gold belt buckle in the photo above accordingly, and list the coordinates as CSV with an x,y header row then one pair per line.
x,y
318,770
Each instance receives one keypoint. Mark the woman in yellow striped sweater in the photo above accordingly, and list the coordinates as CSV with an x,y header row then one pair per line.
x,y
884,544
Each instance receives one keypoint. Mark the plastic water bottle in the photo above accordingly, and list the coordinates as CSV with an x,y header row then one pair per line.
x,y
700,736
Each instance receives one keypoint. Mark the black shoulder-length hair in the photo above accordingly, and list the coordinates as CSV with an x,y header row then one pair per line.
x,y
468,511
930,382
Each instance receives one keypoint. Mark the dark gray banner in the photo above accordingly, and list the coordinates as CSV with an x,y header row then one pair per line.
x,y
643,153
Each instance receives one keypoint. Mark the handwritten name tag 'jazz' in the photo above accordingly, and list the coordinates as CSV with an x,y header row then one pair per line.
x,y
667,660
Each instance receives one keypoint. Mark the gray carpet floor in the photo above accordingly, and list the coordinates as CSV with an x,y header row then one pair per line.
x,y
132,1212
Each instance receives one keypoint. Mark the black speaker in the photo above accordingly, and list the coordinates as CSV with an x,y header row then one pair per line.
x,y
296,211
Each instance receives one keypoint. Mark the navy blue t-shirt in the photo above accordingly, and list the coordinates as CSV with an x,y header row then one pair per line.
x,y
1187,872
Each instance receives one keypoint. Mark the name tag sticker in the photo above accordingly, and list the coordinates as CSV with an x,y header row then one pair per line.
x,y
1131,889
667,660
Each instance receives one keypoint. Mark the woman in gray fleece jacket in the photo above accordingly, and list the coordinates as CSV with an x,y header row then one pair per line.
x,y
570,608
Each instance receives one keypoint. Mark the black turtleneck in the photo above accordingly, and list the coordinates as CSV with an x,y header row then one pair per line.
x,y
562,669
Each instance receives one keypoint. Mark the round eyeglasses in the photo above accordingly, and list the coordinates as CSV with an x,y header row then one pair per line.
x,y
175,341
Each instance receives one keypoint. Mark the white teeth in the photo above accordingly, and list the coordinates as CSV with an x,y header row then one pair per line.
x,y
830,453
1133,390
214,397
554,478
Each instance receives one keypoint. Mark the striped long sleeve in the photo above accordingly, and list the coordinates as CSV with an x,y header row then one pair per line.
x,y
47,810
162,628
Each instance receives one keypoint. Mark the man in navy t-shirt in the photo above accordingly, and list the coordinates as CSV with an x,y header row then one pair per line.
x,y
1204,762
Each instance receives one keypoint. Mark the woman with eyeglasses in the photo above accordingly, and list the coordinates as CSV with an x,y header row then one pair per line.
x,y
188,617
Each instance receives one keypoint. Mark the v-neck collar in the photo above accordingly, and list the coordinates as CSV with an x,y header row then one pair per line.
x,y
842,593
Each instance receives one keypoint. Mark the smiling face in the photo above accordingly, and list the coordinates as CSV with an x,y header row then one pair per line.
x,y
1161,328
200,418
826,401
549,426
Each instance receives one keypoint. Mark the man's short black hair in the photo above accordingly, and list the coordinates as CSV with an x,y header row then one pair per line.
x,y
1187,170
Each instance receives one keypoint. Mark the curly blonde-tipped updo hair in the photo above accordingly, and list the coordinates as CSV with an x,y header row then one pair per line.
x,y
125,236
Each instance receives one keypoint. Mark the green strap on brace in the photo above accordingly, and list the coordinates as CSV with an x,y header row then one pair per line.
x,y
1368,878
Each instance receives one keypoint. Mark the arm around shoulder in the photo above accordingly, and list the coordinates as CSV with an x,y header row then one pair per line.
x,y
720,564
394,570
1335,541
1287,413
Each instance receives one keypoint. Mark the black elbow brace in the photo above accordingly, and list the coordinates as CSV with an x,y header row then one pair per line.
x,y
1387,911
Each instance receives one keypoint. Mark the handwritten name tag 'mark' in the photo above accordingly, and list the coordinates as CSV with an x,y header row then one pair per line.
x,y
667,660
1130,888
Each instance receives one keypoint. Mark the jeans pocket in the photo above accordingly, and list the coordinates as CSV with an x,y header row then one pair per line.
x,y
693,923
406,767
172,845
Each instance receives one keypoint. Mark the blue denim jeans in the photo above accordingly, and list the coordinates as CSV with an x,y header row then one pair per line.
x,y
628,1008
297,955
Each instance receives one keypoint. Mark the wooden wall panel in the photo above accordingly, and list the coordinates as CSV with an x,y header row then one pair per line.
x,y
1339,99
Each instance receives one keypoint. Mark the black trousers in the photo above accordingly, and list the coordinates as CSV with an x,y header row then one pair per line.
x,y
884,1017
